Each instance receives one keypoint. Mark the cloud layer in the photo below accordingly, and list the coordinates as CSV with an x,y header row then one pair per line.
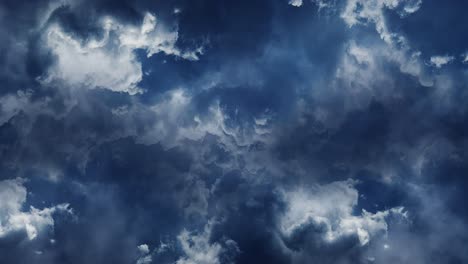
x,y
216,132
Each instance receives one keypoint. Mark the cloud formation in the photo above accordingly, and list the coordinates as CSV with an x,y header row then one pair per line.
x,y
439,61
329,209
13,219
233,132
109,61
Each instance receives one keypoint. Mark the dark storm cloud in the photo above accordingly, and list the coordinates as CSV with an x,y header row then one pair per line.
x,y
232,132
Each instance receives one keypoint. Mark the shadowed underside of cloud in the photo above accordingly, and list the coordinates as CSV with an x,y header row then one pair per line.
x,y
215,132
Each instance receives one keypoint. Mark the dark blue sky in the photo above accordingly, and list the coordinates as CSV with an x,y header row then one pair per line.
x,y
218,132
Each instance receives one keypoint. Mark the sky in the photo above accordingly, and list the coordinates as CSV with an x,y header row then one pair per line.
x,y
222,132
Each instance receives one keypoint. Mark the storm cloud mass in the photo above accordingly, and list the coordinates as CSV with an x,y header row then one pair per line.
x,y
219,132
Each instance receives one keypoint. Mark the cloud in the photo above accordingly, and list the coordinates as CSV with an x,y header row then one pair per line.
x,y
143,248
12,104
260,134
320,3
192,247
12,219
178,119
197,248
328,210
439,61
295,2
144,260
465,57
144,251
109,61
362,12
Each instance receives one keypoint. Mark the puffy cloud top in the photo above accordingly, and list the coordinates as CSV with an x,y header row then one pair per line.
x,y
14,219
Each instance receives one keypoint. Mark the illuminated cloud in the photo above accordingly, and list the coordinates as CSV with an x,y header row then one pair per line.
x,y
13,219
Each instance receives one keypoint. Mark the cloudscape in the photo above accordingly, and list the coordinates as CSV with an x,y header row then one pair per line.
x,y
222,132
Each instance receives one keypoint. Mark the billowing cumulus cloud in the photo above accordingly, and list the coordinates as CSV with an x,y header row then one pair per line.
x,y
219,132
330,209
109,61
14,220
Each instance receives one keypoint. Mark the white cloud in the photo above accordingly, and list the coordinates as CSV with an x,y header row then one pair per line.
x,y
143,248
145,257
362,70
320,3
193,248
295,2
439,61
332,206
356,75
109,62
465,57
362,73
397,50
13,219
372,11
177,121
362,55
198,249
